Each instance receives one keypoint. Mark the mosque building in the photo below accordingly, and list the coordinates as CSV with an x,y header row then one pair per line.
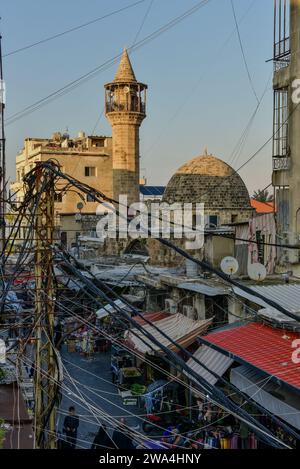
x,y
112,165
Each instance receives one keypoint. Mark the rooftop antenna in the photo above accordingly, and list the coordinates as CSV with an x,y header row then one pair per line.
x,y
2,158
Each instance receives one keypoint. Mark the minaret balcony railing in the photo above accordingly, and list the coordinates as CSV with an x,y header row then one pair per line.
x,y
125,107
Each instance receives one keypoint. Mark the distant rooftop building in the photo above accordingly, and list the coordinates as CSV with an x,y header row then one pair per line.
x,y
87,158
262,207
209,180
151,192
108,164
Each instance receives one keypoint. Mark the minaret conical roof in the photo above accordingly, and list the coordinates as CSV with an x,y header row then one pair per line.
x,y
125,71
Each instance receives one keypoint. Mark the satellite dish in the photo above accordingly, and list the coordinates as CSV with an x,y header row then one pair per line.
x,y
229,265
257,272
80,206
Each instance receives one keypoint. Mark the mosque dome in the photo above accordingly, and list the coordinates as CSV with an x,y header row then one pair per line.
x,y
209,180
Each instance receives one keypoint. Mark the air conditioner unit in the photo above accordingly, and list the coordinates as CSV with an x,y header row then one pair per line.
x,y
188,311
170,306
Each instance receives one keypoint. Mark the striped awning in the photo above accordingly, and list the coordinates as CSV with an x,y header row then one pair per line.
x,y
178,327
213,361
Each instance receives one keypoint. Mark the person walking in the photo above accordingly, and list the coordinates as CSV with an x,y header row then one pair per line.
x,y
71,424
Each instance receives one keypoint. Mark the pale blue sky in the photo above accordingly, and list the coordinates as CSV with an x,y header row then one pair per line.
x,y
199,93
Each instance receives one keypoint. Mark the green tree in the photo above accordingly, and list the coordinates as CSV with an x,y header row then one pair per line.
x,y
263,196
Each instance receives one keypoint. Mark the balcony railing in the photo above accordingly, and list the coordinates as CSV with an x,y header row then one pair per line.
x,y
281,163
282,54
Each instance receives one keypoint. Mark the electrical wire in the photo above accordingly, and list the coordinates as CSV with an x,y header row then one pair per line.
x,y
243,52
75,28
104,66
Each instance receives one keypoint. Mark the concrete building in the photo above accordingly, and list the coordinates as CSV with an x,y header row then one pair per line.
x,y
108,164
260,228
286,142
87,158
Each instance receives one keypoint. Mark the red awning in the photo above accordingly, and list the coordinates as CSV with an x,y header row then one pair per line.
x,y
263,347
152,317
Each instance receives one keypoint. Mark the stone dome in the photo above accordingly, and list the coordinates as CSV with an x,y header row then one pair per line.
x,y
209,180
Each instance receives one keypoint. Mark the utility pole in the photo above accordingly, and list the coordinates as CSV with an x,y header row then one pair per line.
x,y
2,157
46,370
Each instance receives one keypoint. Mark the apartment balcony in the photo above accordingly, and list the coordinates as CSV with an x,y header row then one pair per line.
x,y
281,163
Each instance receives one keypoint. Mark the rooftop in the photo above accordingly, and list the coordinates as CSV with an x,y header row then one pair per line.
x,y
262,207
263,347
152,190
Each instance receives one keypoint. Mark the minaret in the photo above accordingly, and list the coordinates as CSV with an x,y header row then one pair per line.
x,y
125,108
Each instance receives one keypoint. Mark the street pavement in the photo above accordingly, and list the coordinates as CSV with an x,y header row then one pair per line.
x,y
95,393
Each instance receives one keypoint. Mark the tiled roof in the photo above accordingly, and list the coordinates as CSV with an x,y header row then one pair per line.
x,y
265,348
262,207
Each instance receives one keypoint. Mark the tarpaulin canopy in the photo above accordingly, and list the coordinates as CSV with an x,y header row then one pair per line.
x,y
178,327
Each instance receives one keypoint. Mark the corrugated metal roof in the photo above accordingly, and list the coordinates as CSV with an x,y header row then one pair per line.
x,y
287,295
272,397
109,308
178,327
213,360
263,347
152,190
202,288
271,316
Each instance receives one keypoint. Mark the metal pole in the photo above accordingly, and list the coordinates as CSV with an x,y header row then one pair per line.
x,y
46,373
38,388
2,158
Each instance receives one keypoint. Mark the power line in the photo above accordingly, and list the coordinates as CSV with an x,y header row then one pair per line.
x,y
100,196
243,52
196,85
143,22
134,42
75,28
212,391
104,66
